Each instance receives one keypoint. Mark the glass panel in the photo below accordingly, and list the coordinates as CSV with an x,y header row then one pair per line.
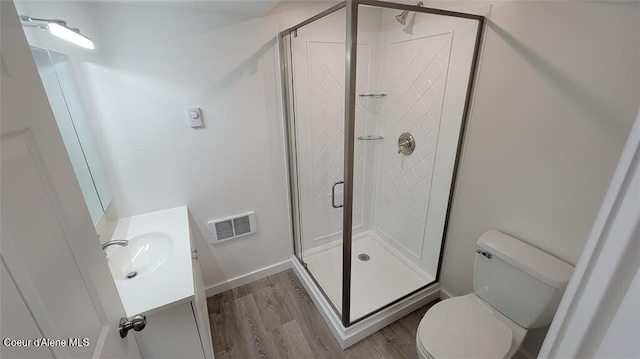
x,y
57,79
287,93
317,51
74,102
411,79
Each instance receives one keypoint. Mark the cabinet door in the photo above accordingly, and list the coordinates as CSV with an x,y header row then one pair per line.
x,y
202,315
172,333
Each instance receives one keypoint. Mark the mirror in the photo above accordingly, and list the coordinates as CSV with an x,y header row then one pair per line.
x,y
59,84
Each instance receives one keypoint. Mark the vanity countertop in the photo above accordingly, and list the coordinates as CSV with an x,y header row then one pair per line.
x,y
172,282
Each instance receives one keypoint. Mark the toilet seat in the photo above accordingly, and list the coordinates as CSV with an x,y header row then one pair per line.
x,y
461,327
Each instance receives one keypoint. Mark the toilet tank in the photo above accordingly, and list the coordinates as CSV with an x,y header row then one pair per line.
x,y
520,281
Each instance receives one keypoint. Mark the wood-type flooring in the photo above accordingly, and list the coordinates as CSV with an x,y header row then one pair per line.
x,y
274,317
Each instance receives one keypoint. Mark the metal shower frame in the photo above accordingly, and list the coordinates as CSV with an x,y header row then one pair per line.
x,y
349,138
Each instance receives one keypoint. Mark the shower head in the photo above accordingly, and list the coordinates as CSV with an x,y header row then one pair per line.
x,y
402,17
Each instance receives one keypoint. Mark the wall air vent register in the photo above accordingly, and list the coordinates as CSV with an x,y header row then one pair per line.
x,y
224,229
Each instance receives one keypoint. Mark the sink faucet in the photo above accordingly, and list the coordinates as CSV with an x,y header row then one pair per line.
x,y
115,242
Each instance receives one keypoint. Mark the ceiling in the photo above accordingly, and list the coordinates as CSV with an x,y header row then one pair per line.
x,y
249,8
252,8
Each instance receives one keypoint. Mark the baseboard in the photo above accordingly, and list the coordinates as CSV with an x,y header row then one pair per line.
x,y
444,294
247,278
346,337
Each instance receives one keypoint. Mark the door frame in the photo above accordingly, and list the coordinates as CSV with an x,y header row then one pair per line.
x,y
609,261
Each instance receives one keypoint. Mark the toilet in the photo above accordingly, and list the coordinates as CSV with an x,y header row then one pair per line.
x,y
517,287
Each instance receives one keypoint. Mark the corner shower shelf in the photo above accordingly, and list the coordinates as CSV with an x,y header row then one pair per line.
x,y
373,95
370,138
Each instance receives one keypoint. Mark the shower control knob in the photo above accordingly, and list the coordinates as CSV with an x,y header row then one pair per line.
x,y
406,144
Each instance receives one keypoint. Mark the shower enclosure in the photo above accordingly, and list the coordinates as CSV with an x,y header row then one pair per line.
x,y
375,98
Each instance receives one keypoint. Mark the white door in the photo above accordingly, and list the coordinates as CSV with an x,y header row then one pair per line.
x,y
55,283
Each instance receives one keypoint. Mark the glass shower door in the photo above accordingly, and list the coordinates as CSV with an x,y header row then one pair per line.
x,y
318,71
413,73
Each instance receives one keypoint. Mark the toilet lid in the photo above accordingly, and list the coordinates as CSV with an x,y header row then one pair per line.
x,y
460,327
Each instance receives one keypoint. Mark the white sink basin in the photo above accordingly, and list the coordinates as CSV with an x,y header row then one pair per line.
x,y
144,254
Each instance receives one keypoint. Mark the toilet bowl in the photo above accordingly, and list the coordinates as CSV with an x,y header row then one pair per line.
x,y
467,327
516,287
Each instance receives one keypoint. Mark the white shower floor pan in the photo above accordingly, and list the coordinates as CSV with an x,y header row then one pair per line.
x,y
382,279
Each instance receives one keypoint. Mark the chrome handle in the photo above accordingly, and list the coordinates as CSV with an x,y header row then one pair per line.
x,y
333,195
406,144
115,242
484,253
137,323
194,254
402,145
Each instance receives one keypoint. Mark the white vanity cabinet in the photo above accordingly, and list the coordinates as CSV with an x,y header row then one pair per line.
x,y
168,288
200,309
180,331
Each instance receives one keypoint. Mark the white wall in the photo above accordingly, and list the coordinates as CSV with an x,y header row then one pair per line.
x,y
556,94
137,85
141,79
226,66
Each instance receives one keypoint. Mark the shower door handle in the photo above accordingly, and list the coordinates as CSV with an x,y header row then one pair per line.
x,y
333,195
